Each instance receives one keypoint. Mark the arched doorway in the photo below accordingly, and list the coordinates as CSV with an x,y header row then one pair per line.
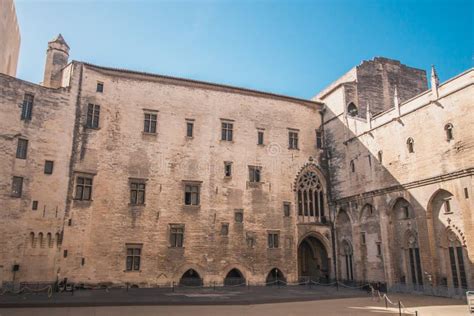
x,y
344,246
190,278
234,277
313,262
275,277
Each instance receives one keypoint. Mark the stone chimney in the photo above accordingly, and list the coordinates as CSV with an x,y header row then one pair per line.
x,y
56,59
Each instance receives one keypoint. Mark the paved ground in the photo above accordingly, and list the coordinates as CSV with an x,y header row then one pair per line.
x,y
319,301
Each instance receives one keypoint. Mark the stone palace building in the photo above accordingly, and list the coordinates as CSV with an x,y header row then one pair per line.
x,y
112,176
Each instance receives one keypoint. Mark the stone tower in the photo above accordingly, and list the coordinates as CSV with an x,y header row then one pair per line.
x,y
56,59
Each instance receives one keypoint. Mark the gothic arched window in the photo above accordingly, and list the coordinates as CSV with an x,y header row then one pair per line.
x,y
310,197
449,131
410,145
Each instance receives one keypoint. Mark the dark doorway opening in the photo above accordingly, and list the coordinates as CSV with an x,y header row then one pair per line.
x,y
234,277
275,277
190,278
313,261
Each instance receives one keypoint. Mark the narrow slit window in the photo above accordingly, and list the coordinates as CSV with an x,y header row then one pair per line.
x,y
27,107
93,115
22,148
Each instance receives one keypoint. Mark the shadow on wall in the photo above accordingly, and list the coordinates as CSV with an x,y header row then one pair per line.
x,y
410,235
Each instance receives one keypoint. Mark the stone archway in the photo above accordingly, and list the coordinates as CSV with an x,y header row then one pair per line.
x,y
313,260
190,278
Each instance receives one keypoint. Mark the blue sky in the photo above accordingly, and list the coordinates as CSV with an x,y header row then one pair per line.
x,y
294,48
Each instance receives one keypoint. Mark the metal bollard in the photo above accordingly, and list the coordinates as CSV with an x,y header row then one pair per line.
x,y
399,308
386,303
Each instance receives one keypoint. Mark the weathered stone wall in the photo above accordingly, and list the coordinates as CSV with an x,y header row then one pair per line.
x,y
119,150
436,163
9,38
49,134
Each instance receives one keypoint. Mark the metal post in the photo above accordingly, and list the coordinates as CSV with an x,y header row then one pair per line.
x,y
386,303
399,308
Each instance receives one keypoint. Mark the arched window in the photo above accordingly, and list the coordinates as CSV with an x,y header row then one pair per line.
x,y
352,109
40,237
234,277
414,259
275,276
310,197
32,240
49,240
347,253
380,156
449,131
410,145
58,240
456,261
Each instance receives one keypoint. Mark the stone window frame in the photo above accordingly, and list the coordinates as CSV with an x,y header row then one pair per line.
x,y
189,185
22,148
27,107
227,130
136,186
150,122
293,138
228,169
176,235
447,207
224,229
84,184
189,128
255,174
273,239
17,187
48,166
260,136
93,116
133,262
239,216
99,87
286,209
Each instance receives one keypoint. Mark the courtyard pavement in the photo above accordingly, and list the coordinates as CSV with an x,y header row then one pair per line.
x,y
284,301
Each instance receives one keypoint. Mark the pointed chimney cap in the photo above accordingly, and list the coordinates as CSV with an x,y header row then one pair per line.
x,y
434,75
59,39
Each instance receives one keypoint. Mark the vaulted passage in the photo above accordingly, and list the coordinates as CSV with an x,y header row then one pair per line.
x,y
275,277
234,277
190,278
313,262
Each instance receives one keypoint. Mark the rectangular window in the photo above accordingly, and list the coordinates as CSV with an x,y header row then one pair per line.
x,y
27,108
134,253
362,238
93,113
447,206
225,229
466,193
21,148
273,241
83,188
176,236
293,140
34,207
286,209
260,138
369,158
255,174
17,186
191,194
319,139
239,216
100,87
48,167
379,249
189,129
227,131
150,123
228,169
137,193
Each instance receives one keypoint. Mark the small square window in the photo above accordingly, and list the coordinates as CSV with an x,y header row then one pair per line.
x,y
34,207
225,229
100,87
239,216
260,138
48,167
228,169
22,148
286,209
17,186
